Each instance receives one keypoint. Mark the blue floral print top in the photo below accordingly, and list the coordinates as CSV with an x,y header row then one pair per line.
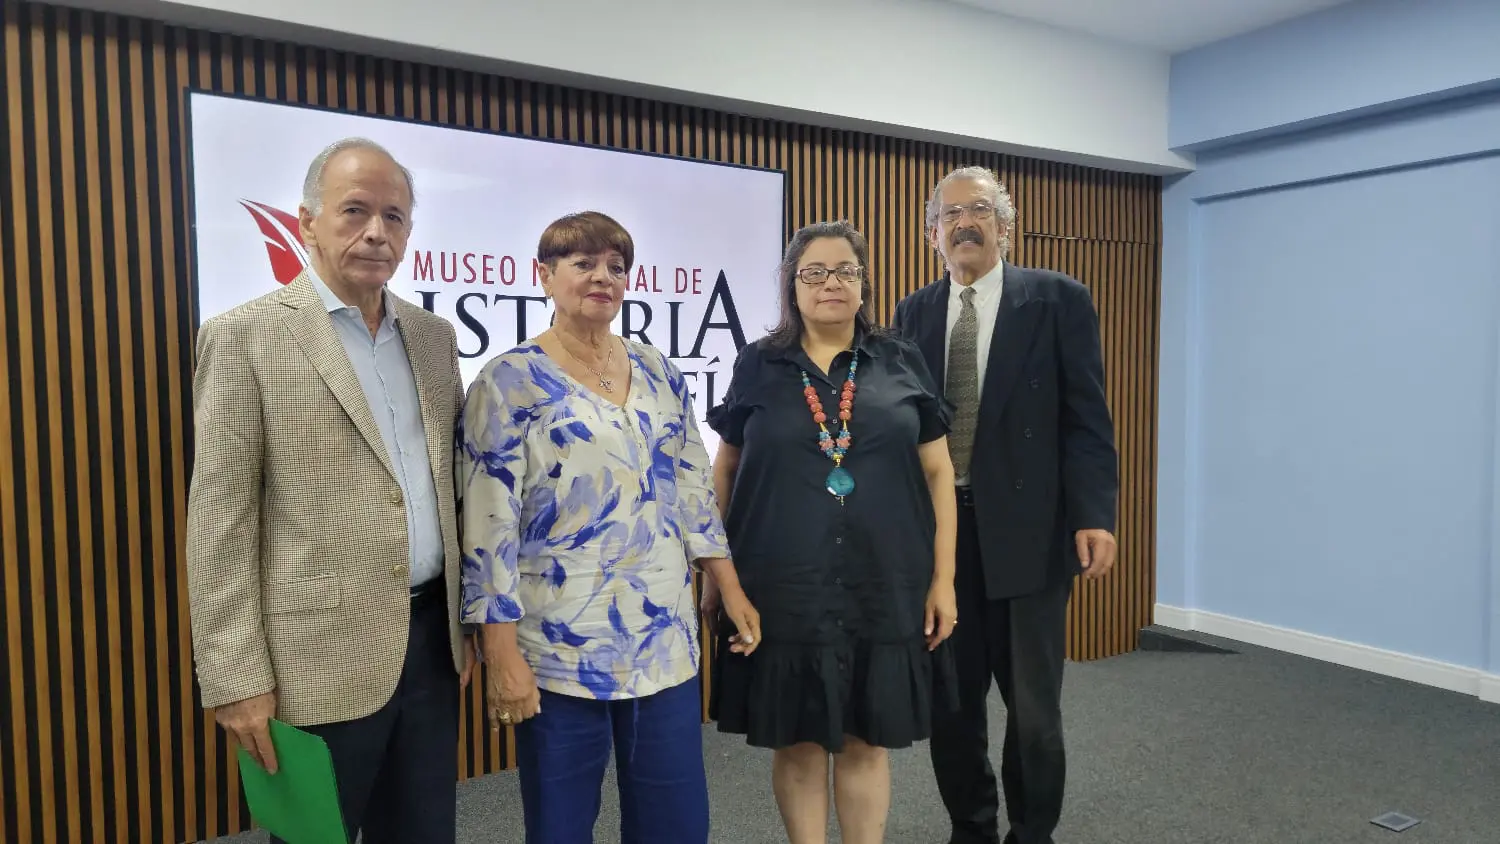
x,y
581,520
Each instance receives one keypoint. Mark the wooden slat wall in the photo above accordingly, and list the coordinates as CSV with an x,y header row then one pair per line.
x,y
100,735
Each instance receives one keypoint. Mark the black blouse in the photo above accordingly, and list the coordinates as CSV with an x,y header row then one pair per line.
x,y
819,571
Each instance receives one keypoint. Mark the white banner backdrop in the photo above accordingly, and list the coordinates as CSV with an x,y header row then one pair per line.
x,y
708,236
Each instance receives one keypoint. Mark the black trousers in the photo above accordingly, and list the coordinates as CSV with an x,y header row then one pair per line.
x,y
397,768
1019,643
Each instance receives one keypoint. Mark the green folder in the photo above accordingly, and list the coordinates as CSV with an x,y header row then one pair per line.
x,y
300,802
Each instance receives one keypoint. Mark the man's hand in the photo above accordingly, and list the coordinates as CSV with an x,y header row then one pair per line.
x,y
248,721
1096,551
469,660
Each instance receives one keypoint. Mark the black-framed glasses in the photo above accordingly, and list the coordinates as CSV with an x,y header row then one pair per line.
x,y
847,273
979,211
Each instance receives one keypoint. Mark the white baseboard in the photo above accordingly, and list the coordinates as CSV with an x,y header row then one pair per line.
x,y
1489,688
1428,672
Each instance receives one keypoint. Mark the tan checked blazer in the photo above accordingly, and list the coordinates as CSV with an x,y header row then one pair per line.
x,y
297,558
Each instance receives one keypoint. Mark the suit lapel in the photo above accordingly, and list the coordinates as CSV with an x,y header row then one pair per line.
x,y
932,332
428,369
1015,326
313,329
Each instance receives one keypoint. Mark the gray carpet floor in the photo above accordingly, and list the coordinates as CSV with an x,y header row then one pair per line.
x,y
1170,748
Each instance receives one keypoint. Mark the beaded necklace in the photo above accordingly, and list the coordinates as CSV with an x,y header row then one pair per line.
x,y
839,482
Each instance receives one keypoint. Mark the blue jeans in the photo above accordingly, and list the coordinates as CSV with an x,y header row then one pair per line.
x,y
562,754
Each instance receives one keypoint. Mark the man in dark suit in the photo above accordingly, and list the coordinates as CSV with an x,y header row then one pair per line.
x,y
1018,353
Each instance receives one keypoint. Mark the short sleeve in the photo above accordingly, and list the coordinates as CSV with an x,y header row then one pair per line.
x,y
727,418
934,411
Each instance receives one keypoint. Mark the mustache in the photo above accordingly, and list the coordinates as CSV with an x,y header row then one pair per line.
x,y
968,236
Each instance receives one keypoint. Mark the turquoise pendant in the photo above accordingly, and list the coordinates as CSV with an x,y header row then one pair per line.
x,y
840,482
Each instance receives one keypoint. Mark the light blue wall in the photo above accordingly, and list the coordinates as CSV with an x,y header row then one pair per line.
x,y
1363,56
1330,348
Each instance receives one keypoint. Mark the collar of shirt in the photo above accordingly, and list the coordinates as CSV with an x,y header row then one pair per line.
x,y
336,305
986,286
867,344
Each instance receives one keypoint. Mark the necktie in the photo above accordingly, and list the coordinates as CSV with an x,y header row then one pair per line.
x,y
963,383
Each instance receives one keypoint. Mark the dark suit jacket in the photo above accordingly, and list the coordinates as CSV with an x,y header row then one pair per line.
x,y
1044,462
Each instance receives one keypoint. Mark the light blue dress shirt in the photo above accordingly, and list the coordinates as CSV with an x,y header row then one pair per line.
x,y
390,388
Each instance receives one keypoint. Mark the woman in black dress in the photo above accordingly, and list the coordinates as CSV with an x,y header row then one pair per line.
x,y
837,490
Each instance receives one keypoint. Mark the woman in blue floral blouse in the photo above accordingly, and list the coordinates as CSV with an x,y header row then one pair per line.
x,y
587,498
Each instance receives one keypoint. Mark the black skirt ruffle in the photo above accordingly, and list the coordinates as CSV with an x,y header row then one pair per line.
x,y
883,693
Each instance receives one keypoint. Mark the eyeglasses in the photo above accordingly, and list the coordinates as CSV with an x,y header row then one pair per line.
x,y
979,211
847,273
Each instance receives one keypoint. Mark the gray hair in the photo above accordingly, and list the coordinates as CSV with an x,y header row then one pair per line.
x,y
1005,209
312,185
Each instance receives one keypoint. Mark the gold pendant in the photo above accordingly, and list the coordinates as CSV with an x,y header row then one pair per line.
x,y
607,384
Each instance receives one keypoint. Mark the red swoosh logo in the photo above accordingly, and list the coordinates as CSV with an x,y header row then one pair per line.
x,y
283,244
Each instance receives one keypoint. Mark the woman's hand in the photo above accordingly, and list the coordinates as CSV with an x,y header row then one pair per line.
x,y
710,604
511,694
942,612
729,595
746,620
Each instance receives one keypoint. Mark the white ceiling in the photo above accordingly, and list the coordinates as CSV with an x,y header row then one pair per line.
x,y
1169,25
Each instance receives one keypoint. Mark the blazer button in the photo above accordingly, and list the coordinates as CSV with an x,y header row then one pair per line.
x,y
1018,484
396,498
399,572
1035,383
1026,433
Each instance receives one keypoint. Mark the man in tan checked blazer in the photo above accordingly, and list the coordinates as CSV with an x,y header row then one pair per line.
x,y
323,562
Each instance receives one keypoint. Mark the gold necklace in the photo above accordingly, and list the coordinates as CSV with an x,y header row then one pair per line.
x,y
606,383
